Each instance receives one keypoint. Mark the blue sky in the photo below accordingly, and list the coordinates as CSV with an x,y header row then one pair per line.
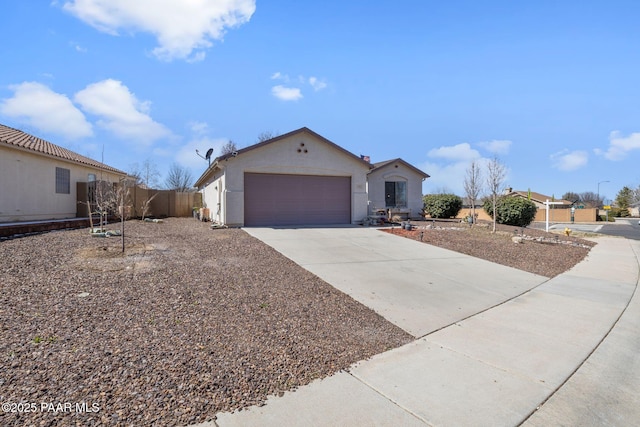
x,y
551,88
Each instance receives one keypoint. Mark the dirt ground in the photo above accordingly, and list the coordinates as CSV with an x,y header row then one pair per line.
x,y
188,322
546,254
191,321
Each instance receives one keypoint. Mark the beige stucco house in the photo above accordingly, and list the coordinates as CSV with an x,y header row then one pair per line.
x,y
38,178
299,178
396,187
296,178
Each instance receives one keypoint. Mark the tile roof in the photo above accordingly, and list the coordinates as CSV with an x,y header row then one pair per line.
x,y
18,138
538,197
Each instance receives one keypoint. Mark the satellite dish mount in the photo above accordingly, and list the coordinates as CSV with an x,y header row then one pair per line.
x,y
207,156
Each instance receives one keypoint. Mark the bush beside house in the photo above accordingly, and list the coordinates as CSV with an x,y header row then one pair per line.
x,y
442,205
512,211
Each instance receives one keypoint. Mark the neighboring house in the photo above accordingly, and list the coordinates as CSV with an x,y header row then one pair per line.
x,y
299,178
539,199
38,179
634,209
560,211
396,187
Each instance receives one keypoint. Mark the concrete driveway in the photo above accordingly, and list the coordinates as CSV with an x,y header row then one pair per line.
x,y
418,287
564,353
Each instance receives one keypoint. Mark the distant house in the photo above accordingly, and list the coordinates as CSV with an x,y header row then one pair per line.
x,y
299,178
396,186
559,211
539,199
634,209
38,179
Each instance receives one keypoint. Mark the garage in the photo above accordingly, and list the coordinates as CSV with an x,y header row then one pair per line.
x,y
282,199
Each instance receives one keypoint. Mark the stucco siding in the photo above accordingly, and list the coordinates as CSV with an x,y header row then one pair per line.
x,y
376,185
298,154
28,186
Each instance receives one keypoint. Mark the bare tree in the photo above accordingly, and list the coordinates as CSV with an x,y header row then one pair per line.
x,y
496,172
146,175
179,178
591,199
228,148
473,186
111,199
145,207
571,196
636,195
266,135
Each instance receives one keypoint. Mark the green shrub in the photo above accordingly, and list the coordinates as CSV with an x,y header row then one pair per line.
x,y
619,213
442,205
512,210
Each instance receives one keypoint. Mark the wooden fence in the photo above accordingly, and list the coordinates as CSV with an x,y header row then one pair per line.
x,y
555,214
163,203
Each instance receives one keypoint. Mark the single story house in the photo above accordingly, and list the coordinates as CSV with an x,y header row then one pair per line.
x,y
539,199
559,211
299,178
38,179
396,187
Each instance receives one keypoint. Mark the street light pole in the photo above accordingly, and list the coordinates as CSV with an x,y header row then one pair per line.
x,y
601,182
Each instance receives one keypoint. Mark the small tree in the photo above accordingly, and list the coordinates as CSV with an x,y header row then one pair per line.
x,y
228,148
571,196
146,175
442,205
146,205
636,195
266,135
179,178
512,210
112,199
624,200
496,172
473,186
591,199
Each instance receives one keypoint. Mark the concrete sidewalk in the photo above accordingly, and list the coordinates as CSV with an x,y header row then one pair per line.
x,y
492,368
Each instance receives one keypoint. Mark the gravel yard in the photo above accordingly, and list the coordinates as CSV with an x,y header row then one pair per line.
x,y
546,254
188,322
192,321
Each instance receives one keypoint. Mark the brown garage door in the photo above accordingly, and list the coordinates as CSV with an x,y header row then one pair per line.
x,y
275,199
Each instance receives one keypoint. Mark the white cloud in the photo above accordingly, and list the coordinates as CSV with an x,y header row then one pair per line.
x,y
293,93
459,152
566,160
286,93
36,105
198,128
317,84
496,146
181,27
449,165
120,112
620,146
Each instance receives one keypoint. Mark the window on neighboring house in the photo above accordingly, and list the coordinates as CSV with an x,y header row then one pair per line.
x,y
63,181
395,194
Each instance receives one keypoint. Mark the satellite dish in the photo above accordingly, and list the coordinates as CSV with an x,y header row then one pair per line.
x,y
209,153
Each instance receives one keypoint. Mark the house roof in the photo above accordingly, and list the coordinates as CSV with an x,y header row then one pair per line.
x,y
538,197
22,140
214,165
380,165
